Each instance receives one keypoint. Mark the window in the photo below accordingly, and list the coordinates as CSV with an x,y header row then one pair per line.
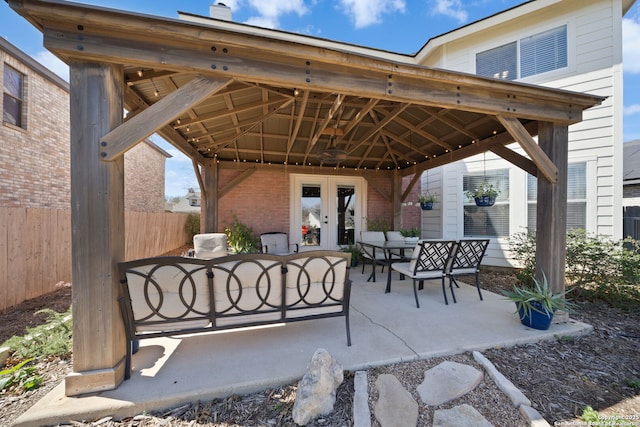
x,y
576,198
487,221
543,52
538,54
500,62
13,82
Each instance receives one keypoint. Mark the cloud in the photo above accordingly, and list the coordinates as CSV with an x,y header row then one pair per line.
x,y
631,110
631,45
269,12
452,9
53,63
367,12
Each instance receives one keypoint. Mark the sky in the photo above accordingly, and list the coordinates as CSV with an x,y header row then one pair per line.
x,y
402,26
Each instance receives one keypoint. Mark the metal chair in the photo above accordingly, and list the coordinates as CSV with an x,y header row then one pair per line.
x,y
369,253
277,243
466,260
429,261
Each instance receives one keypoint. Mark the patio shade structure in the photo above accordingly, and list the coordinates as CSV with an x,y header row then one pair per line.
x,y
234,96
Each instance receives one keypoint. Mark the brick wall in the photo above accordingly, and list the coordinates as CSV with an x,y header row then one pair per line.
x,y
35,161
260,202
144,168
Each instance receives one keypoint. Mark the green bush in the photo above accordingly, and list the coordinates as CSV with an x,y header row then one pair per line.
x,y
378,224
20,378
192,226
50,339
596,267
240,238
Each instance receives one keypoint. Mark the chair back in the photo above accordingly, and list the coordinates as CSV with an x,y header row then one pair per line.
x,y
210,245
469,253
395,236
275,242
431,255
372,236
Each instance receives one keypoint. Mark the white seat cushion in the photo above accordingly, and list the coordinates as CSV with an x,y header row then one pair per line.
x,y
210,245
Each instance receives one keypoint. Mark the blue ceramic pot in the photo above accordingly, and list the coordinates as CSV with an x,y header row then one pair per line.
x,y
426,206
536,320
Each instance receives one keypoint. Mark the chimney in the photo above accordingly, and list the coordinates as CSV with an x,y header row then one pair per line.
x,y
220,11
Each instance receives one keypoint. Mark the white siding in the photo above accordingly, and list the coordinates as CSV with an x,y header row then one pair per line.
x,y
594,41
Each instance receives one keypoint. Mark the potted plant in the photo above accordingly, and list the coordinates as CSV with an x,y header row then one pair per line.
x,y
411,235
537,303
427,200
356,254
485,195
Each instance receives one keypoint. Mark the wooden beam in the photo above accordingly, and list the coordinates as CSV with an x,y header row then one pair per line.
x,y
237,180
520,161
408,84
209,223
158,115
479,147
522,137
406,192
325,121
379,189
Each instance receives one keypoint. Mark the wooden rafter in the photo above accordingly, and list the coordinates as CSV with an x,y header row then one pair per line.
x,y
157,115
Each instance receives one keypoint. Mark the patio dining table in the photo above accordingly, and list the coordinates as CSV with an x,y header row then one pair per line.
x,y
387,247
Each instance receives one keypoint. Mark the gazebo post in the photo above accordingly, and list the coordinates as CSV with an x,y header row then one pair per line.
x,y
98,240
551,222
210,196
396,200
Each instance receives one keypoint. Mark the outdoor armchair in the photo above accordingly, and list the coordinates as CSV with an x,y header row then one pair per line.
x,y
277,243
210,245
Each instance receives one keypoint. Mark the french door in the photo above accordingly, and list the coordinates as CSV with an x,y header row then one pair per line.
x,y
326,211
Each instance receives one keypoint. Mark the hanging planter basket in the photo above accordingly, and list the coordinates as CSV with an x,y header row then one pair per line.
x,y
426,206
485,200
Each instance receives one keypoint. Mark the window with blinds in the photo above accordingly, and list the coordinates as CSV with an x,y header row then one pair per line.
x,y
543,52
13,87
539,53
576,198
500,62
490,221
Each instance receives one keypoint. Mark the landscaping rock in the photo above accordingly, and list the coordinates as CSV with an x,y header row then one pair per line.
x,y
448,381
395,406
316,393
460,416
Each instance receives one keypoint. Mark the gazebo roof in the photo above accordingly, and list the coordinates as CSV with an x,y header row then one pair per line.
x,y
241,94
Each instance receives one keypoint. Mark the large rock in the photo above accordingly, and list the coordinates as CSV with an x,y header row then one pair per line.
x,y
460,416
448,381
395,406
316,392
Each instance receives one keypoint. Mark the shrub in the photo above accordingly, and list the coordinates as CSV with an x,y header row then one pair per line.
x,y
50,339
378,224
240,238
192,225
596,267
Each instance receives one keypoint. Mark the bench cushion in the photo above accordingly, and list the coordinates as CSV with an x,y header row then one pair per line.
x,y
161,293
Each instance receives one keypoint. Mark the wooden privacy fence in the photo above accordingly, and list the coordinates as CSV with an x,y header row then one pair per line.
x,y
35,247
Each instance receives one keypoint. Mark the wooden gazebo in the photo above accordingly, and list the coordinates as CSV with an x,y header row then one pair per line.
x,y
234,96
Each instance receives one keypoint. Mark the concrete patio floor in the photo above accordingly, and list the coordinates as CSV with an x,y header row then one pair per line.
x,y
385,328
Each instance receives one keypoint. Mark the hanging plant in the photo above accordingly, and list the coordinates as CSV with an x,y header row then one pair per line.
x,y
485,195
427,200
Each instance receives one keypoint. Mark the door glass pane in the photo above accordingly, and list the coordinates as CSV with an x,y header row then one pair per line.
x,y
311,213
345,210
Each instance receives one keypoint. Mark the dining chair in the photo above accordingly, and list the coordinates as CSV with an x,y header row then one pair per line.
x,y
368,253
465,261
429,260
